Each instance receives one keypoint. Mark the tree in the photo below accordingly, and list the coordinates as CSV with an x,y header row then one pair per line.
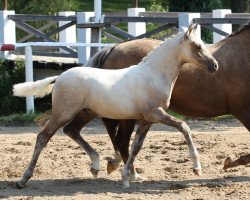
x,y
196,6
50,7
240,6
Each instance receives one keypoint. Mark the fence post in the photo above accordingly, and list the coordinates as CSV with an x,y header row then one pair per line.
x,y
96,32
136,28
69,34
7,30
185,19
29,77
84,35
221,13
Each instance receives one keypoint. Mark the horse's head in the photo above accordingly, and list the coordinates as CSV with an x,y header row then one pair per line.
x,y
195,51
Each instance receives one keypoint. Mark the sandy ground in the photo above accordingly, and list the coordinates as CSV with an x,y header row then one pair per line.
x,y
63,172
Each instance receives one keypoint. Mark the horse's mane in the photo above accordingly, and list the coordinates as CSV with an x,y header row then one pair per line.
x,y
240,30
100,57
243,28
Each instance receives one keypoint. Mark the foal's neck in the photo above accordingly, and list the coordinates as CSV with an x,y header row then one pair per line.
x,y
165,59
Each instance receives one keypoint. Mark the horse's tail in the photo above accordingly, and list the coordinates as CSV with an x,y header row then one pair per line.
x,y
38,88
99,58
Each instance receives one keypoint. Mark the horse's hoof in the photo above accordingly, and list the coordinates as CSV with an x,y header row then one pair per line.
x,y
125,184
227,163
197,172
19,186
112,166
94,172
136,177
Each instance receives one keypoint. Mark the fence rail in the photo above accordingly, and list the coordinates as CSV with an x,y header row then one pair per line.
x,y
109,26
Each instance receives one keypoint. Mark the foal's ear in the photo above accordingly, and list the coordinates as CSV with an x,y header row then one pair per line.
x,y
191,28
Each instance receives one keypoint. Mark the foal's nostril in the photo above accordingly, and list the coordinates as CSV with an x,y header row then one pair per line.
x,y
216,65
213,67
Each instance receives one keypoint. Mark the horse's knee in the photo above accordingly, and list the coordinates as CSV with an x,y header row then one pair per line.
x,y
70,131
184,128
67,129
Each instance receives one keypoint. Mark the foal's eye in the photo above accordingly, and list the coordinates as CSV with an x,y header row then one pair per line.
x,y
198,47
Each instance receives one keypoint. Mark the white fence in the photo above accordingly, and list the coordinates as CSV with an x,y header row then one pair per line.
x,y
74,35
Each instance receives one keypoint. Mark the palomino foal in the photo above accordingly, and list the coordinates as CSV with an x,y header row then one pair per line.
x,y
140,92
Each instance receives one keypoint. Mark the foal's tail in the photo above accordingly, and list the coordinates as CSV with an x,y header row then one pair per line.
x,y
39,88
99,58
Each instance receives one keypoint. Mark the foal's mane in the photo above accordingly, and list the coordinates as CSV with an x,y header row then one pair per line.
x,y
157,48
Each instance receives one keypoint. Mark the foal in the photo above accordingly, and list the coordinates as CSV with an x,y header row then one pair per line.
x,y
122,94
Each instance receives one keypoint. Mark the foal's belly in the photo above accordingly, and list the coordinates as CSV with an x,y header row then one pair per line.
x,y
115,111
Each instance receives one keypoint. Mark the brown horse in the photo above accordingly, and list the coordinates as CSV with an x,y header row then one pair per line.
x,y
228,91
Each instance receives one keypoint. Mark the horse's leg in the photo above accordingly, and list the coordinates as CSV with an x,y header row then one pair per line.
x,y
111,126
159,115
243,116
41,141
125,130
73,128
136,146
242,160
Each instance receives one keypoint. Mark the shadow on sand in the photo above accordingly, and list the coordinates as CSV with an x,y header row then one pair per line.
x,y
69,187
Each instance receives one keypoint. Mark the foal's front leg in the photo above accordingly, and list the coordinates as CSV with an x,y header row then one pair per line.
x,y
158,115
140,135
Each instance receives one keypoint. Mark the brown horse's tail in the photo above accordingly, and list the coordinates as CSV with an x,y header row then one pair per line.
x,y
99,58
42,119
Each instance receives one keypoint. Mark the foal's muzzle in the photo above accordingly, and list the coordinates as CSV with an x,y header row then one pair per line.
x,y
212,66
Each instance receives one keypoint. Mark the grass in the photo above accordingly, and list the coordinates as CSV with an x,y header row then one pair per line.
x,y
223,117
111,6
20,119
25,119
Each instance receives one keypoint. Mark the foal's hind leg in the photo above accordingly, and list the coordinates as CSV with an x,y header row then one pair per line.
x,y
159,115
73,129
42,139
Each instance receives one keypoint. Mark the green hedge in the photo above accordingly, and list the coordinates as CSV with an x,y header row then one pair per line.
x,y
10,74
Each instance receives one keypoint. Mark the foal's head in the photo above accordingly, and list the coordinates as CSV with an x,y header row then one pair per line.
x,y
195,51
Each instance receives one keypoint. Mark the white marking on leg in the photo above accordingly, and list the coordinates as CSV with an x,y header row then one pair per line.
x,y
192,149
134,176
95,161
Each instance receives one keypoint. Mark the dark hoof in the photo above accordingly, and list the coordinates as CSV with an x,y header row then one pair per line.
x,y
18,186
94,172
111,167
197,172
227,163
